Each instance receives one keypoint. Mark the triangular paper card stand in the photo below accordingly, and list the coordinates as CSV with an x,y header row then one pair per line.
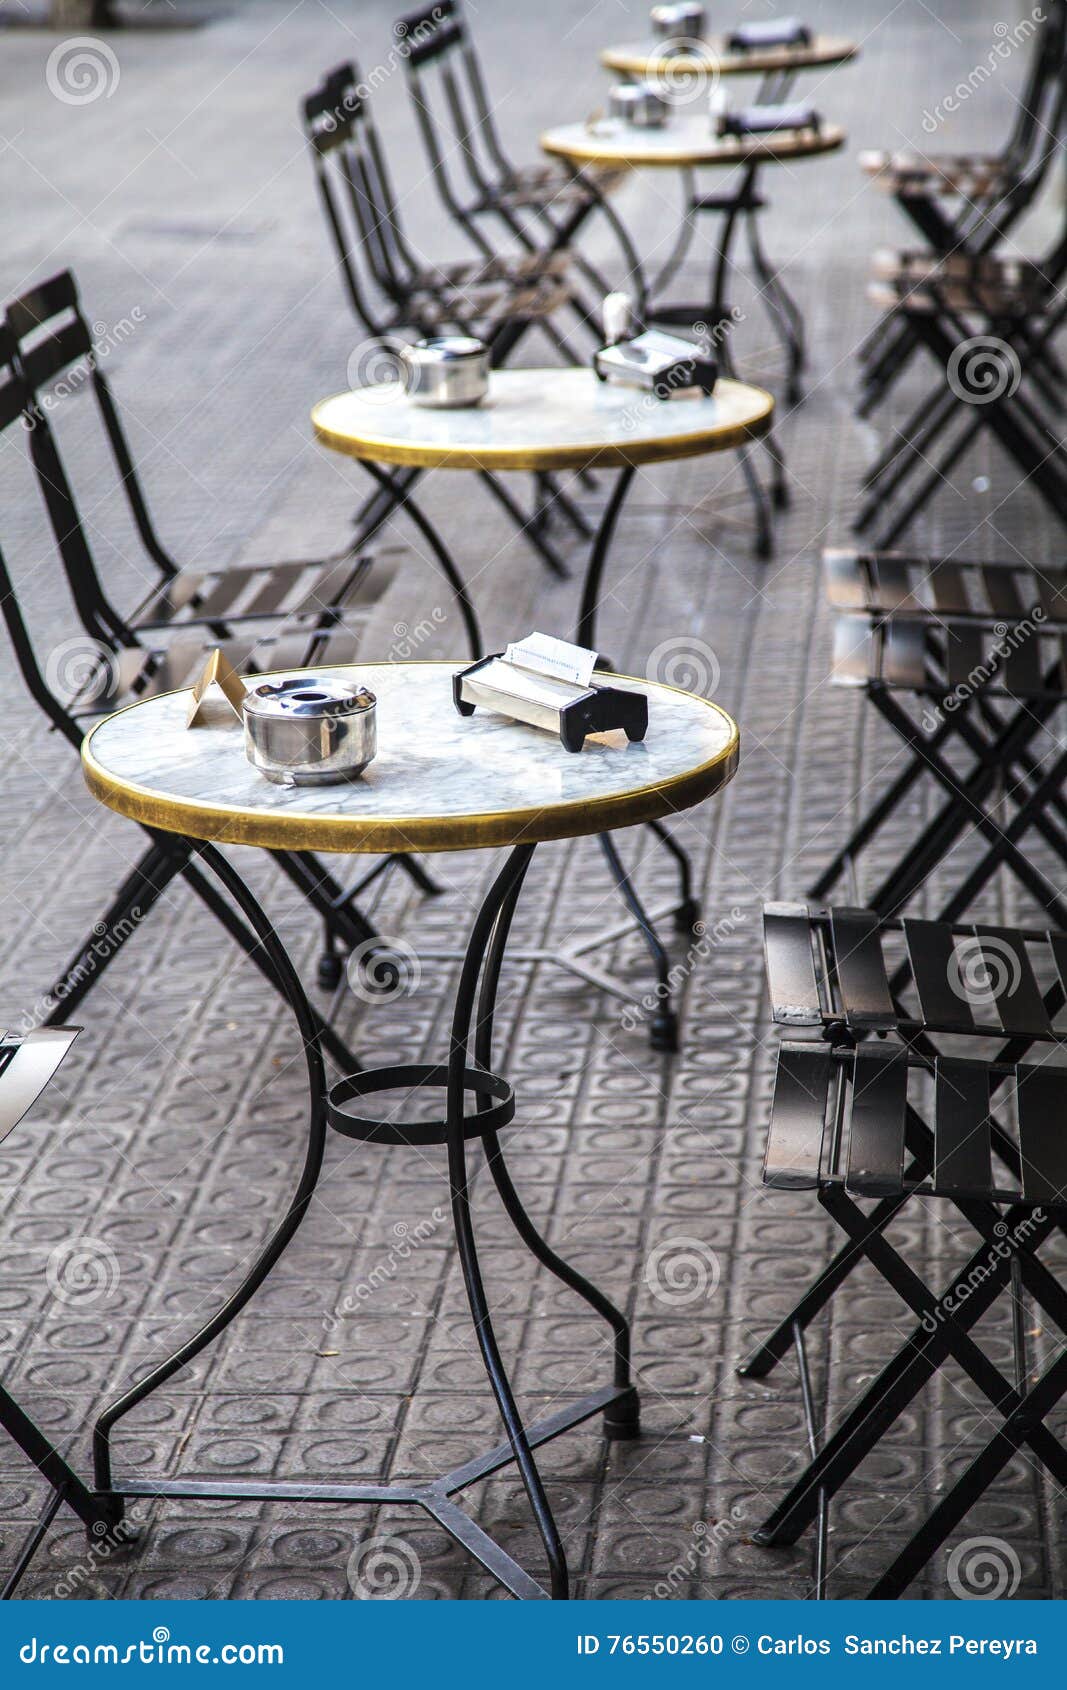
x,y
217,676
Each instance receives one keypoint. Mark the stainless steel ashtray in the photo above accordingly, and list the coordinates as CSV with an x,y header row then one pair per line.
x,y
684,22
639,103
310,730
449,371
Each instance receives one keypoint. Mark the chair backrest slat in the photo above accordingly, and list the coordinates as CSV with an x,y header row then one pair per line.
x,y
791,977
793,1156
860,969
962,1160
936,971
879,1109
1012,983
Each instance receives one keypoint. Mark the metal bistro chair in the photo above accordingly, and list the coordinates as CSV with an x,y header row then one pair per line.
x,y
967,663
27,1064
111,673
989,325
542,207
496,299
53,347
872,1110
965,205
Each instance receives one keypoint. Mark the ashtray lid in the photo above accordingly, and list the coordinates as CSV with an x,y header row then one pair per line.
x,y
308,697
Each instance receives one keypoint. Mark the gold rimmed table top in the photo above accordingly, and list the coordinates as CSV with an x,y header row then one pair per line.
x,y
685,140
647,59
440,782
539,420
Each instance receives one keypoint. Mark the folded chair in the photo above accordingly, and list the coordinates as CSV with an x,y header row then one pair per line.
x,y
397,293
967,204
107,673
871,1108
27,1064
966,662
542,207
56,358
990,327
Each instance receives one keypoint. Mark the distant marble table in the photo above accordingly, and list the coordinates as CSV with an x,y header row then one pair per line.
x,y
687,143
440,782
710,56
540,420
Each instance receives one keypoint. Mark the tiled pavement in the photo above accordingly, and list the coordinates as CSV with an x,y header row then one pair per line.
x,y
184,201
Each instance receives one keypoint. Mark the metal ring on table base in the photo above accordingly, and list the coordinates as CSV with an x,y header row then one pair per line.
x,y
465,1072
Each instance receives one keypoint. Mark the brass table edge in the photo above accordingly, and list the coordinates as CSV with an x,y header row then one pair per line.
x,y
296,831
835,52
605,455
830,140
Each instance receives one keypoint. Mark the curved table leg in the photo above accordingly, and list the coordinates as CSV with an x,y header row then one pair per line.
x,y
782,309
397,487
621,1418
684,238
503,891
308,1026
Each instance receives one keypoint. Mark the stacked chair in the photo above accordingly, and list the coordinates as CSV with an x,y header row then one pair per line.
x,y
986,317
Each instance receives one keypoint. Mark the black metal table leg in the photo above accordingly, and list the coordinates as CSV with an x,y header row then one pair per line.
x,y
399,489
585,633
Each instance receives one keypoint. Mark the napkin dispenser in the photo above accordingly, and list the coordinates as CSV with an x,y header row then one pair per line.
x,y
657,363
765,120
549,684
770,32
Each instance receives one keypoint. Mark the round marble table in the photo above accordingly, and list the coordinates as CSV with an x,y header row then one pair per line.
x,y
687,144
711,56
439,782
541,420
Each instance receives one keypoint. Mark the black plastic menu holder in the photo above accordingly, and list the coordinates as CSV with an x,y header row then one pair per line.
x,y
595,709
774,32
767,120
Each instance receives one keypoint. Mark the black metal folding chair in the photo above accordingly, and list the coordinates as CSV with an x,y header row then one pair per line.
x,y
989,325
871,1109
966,662
541,207
966,204
56,358
27,1064
108,673
396,292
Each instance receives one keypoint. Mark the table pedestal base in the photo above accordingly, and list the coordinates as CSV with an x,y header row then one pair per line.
x,y
467,1070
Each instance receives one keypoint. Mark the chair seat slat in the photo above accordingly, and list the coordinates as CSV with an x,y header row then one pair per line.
x,y
845,580
798,1114
962,1165
1042,1098
892,590
1013,983
948,588
904,654
853,654
1023,675
860,969
876,1135
791,977
27,1071
1050,592
1002,592
936,970
966,656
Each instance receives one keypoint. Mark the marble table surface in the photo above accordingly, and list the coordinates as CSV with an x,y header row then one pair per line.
x,y
440,781
541,419
685,139
646,58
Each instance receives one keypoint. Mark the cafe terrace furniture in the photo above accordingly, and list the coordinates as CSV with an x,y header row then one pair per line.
x,y
688,143
27,1064
553,420
689,74
399,294
440,782
930,1075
